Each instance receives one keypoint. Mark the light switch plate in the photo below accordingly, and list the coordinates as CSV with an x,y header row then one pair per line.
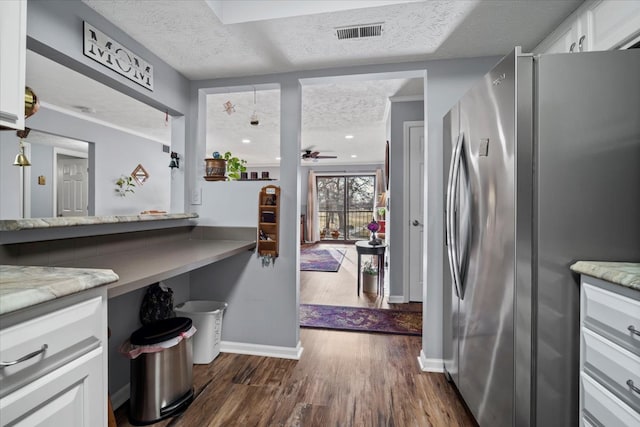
x,y
196,196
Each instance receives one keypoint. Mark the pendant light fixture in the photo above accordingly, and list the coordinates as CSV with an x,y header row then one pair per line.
x,y
21,159
254,121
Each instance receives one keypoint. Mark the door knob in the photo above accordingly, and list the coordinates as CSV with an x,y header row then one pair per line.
x,y
416,223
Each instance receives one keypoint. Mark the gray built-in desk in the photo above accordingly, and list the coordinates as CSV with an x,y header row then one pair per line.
x,y
140,257
137,269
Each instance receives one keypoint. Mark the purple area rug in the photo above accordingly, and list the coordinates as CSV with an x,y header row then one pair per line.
x,y
328,260
361,319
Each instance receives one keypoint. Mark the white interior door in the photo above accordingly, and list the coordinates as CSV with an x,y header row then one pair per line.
x,y
73,186
416,209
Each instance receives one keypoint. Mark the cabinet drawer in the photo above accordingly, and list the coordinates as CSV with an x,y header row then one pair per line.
x,y
611,315
59,330
602,407
612,366
67,396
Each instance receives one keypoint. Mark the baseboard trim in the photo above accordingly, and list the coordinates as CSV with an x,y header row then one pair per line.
x,y
396,299
262,350
120,397
430,365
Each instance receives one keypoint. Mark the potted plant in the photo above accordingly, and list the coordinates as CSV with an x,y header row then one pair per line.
x,y
335,233
323,233
124,185
235,166
369,277
215,167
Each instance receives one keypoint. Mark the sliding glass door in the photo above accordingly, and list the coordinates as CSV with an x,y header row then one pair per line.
x,y
345,206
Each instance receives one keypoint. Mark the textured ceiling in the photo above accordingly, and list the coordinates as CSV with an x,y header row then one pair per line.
x,y
188,35
329,113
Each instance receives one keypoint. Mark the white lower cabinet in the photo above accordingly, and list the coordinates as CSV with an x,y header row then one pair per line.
x,y
65,397
609,355
60,374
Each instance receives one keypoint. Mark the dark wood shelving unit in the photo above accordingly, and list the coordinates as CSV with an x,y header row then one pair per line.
x,y
269,221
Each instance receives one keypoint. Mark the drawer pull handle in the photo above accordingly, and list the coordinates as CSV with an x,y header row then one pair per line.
x,y
23,358
633,330
633,387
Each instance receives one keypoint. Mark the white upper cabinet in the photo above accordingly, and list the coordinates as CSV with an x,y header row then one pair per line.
x,y
596,25
13,44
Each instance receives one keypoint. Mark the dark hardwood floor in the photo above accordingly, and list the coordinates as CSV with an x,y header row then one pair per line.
x,y
342,379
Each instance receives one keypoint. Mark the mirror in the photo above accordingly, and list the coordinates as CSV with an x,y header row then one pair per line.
x,y
56,183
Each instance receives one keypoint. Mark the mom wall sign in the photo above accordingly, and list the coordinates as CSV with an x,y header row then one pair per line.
x,y
108,52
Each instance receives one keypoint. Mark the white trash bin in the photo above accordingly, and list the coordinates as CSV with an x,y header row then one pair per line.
x,y
207,318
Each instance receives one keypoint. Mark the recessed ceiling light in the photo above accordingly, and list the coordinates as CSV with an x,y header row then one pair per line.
x,y
353,156
278,158
348,137
246,141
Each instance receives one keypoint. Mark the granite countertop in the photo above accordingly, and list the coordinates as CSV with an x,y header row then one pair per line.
x,y
34,223
622,273
24,286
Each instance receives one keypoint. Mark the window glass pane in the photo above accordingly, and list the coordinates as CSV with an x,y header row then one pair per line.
x,y
345,206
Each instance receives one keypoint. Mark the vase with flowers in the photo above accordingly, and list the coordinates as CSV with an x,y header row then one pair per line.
x,y
373,227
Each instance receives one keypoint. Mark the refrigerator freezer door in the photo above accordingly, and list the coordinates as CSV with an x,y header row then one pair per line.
x,y
486,313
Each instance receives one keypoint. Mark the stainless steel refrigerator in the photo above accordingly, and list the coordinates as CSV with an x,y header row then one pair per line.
x,y
543,161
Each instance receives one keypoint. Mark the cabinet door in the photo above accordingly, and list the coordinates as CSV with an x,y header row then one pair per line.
x,y
565,38
13,40
70,396
609,24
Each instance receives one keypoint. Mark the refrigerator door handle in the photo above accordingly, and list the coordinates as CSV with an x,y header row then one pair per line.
x,y
452,250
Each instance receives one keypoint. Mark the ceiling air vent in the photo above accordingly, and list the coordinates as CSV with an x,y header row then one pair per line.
x,y
359,31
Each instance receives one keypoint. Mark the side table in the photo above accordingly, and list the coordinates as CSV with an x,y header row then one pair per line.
x,y
364,248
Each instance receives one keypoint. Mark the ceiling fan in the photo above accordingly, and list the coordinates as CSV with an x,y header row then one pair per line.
x,y
314,155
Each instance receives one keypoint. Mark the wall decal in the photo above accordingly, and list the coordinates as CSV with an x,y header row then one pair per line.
x,y
108,52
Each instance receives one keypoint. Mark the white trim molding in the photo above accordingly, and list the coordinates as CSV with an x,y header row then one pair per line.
x,y
262,350
121,396
430,365
406,98
396,299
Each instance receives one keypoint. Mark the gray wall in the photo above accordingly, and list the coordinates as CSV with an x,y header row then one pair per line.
x,y
41,195
447,80
9,176
272,317
400,112
55,31
116,153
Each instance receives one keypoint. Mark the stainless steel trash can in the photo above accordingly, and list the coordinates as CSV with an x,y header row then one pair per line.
x,y
161,381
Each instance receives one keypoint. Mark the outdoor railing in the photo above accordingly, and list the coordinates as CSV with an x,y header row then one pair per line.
x,y
333,225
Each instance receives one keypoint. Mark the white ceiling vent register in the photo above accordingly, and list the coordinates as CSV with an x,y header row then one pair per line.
x,y
359,31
